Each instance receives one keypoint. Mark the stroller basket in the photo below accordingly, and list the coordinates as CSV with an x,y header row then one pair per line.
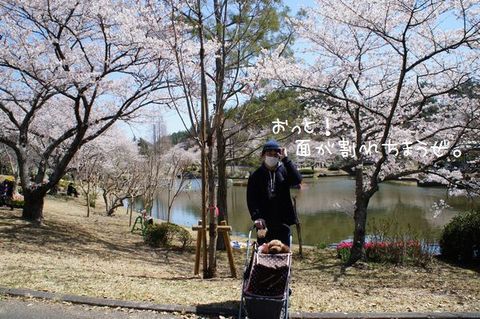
x,y
268,275
264,308
266,288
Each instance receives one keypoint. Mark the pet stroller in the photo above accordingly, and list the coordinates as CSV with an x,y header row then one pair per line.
x,y
265,287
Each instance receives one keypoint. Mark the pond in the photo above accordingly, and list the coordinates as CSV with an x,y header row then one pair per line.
x,y
325,208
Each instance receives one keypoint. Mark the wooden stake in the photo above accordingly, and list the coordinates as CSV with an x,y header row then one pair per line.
x,y
299,233
226,239
199,248
299,227
224,230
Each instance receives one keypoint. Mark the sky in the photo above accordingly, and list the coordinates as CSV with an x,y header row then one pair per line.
x,y
170,117
173,121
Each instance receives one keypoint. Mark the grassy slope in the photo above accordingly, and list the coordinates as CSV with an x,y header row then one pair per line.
x,y
98,256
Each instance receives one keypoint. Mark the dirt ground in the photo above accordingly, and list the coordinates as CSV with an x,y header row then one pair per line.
x,y
99,257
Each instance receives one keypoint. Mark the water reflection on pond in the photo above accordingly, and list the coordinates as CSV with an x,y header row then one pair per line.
x,y
325,207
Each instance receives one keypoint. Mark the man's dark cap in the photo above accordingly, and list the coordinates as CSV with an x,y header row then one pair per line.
x,y
271,145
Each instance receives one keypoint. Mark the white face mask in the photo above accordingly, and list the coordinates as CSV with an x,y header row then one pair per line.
x,y
271,161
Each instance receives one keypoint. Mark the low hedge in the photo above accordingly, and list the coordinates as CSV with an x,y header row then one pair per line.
x,y
18,203
306,171
167,235
460,241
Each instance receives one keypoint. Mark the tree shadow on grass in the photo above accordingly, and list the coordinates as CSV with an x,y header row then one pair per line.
x,y
68,237
225,308
474,265
7,217
322,267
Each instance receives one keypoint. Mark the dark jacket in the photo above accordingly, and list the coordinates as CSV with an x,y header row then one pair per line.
x,y
273,205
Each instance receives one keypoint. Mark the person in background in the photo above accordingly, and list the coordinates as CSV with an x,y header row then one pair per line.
x,y
2,193
71,190
7,195
268,194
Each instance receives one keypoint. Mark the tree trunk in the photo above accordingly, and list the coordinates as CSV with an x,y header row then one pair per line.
x,y
222,184
204,136
212,243
105,199
88,205
204,206
33,207
357,251
112,209
88,199
219,116
116,203
169,213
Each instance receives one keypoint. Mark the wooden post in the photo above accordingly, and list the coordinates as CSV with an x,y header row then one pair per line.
x,y
223,229
299,227
198,249
299,233
226,239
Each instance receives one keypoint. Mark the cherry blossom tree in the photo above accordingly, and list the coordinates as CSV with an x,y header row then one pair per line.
x,y
87,172
150,180
176,161
68,72
8,161
216,41
122,175
103,163
389,74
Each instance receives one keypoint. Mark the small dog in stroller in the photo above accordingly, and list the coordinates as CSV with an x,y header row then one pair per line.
x,y
274,247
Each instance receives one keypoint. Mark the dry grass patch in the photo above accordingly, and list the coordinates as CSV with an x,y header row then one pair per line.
x,y
98,256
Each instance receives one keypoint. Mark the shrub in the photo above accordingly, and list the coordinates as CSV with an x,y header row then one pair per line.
x,y
343,251
167,235
400,252
180,235
156,235
63,184
460,241
395,243
18,203
322,246
306,171
390,242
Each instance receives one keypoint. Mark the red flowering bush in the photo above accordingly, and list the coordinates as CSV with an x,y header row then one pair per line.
x,y
343,250
398,252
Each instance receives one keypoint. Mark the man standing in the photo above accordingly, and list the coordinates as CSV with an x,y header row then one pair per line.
x,y
268,193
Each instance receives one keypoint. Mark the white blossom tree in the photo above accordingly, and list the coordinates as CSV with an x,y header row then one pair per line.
x,y
101,160
176,162
123,175
389,74
68,71
150,180
87,165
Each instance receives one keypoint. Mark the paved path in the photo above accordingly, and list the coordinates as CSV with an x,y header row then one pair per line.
x,y
15,308
29,304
